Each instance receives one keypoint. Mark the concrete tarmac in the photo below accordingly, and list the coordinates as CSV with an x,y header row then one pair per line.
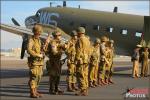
x,y
14,83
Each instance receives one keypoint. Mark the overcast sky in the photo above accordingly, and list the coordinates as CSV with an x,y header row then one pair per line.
x,y
22,9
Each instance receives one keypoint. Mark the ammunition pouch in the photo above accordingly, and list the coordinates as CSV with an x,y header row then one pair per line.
x,y
33,60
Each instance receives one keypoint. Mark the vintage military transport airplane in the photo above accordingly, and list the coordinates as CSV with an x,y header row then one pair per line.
x,y
125,29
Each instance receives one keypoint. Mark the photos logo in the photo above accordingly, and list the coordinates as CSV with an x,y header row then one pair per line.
x,y
137,93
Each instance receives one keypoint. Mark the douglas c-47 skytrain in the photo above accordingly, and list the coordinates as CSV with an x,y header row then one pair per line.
x,y
125,29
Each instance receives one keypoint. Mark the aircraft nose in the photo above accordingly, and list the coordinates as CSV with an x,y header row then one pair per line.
x,y
30,21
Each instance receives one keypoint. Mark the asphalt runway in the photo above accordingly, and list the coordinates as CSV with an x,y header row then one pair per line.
x,y
14,83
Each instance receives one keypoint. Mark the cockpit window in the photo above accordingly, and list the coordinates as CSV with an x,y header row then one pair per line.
x,y
124,31
38,14
96,27
138,34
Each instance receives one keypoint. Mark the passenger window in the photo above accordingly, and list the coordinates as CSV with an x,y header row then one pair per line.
x,y
96,27
83,25
111,29
138,34
124,31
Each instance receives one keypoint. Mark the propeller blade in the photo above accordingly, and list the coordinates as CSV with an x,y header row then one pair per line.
x,y
22,50
25,40
24,46
15,22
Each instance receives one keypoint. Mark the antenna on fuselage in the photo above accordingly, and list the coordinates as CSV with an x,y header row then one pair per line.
x,y
50,4
115,10
79,6
64,4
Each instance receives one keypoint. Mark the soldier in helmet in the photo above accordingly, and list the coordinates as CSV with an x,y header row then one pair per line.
x,y
54,52
82,59
94,63
135,60
103,53
108,62
35,61
112,50
71,52
145,65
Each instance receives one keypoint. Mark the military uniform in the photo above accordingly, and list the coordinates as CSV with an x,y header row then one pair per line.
x,y
102,66
111,48
54,52
135,59
94,64
35,62
108,64
82,59
144,70
71,52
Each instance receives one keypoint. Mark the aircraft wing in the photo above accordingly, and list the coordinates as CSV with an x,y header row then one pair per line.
x,y
25,32
16,29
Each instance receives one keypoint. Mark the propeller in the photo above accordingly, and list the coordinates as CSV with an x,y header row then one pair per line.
x,y
15,22
24,37
24,45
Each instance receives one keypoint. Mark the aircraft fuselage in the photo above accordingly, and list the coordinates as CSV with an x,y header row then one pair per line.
x,y
126,30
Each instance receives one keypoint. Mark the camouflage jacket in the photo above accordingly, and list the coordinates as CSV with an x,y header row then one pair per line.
x,y
55,50
83,50
71,51
34,49
95,55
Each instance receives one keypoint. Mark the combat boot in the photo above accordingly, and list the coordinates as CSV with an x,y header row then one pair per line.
x,y
91,84
84,92
59,91
33,93
52,92
78,93
70,89
101,82
110,81
81,93
106,81
74,86
37,93
95,84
